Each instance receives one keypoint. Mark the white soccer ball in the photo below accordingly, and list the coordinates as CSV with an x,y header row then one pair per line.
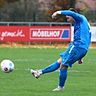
x,y
7,66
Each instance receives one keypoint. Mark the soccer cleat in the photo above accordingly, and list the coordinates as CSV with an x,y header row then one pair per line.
x,y
36,73
58,89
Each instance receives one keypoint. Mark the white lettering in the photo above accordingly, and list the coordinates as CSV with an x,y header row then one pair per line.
x,y
45,33
18,33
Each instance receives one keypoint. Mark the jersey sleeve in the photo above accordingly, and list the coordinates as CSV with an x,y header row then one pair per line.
x,y
75,15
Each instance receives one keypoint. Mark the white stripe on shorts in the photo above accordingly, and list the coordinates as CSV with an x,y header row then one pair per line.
x,y
71,49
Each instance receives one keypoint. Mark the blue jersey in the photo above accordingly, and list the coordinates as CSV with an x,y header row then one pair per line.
x,y
82,35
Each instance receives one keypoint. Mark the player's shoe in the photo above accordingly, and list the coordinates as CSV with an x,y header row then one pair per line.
x,y
36,73
58,89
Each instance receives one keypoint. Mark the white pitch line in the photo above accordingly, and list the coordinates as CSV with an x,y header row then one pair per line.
x,y
73,71
76,71
26,60
27,69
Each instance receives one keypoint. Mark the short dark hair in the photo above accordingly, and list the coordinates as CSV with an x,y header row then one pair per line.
x,y
72,9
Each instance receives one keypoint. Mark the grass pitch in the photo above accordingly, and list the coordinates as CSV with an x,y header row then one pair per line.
x,y
81,78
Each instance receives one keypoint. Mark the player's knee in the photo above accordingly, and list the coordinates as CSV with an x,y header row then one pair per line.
x,y
63,67
59,60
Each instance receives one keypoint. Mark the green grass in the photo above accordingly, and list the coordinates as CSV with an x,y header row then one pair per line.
x,y
81,78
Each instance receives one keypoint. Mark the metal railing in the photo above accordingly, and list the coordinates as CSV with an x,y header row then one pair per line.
x,y
34,23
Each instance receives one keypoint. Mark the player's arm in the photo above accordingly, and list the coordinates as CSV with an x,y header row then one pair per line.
x,y
73,14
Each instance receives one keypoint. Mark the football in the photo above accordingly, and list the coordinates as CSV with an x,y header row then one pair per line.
x,y
7,66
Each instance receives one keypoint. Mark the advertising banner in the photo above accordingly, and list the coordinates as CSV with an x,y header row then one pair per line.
x,y
35,33
49,34
14,33
93,33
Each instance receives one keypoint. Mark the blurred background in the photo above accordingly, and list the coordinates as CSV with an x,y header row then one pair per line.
x,y
41,10
37,13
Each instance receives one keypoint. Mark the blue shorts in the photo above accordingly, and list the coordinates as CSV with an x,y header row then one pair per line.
x,y
72,54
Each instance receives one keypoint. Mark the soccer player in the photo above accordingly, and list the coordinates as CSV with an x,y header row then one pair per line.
x,y
76,50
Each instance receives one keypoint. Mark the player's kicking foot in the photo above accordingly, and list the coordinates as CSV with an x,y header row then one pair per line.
x,y
36,73
58,89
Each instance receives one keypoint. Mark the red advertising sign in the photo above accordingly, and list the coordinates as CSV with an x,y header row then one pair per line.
x,y
13,33
35,33
53,33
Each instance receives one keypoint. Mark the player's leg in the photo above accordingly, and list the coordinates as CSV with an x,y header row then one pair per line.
x,y
63,69
73,55
62,78
63,75
54,66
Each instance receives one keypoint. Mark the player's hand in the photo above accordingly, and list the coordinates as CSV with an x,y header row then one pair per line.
x,y
80,61
55,14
